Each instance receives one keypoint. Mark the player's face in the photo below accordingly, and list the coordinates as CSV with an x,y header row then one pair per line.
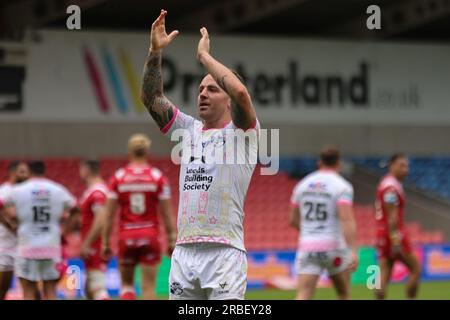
x,y
401,168
212,101
22,173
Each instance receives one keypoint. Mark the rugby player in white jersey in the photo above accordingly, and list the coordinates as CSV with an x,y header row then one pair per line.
x,y
17,172
37,205
322,211
209,260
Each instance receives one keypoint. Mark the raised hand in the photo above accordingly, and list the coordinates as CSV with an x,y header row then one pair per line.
x,y
159,38
203,44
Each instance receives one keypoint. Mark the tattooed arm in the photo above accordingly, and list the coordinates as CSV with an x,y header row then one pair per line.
x,y
159,107
242,110
152,96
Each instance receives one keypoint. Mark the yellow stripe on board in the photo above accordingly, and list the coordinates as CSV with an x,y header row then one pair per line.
x,y
132,78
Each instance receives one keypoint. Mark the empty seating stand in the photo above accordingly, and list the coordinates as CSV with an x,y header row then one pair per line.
x,y
266,209
430,174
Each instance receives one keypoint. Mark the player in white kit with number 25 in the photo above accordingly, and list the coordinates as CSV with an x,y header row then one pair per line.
x,y
209,260
38,205
322,211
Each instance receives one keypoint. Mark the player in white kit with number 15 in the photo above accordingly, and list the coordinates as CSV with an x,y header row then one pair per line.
x,y
322,211
38,206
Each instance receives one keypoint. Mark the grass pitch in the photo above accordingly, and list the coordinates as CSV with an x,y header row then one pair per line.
x,y
427,291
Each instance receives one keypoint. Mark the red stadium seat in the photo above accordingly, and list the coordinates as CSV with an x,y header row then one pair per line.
x,y
266,209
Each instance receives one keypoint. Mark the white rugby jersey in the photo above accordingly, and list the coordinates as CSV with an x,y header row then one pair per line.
x,y
318,196
8,239
214,179
40,204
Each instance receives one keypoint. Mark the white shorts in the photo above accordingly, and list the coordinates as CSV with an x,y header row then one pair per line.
x,y
7,259
207,271
334,261
37,270
8,243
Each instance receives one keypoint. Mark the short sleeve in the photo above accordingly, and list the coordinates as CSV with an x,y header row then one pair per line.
x,y
7,197
69,199
346,196
98,199
112,188
179,120
256,126
247,152
6,201
163,188
390,196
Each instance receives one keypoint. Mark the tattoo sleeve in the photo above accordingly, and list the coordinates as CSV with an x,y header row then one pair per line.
x,y
239,117
221,82
152,96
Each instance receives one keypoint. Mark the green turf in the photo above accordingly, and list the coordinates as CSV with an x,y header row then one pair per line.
x,y
427,291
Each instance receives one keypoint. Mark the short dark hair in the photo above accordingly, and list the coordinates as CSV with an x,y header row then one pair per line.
x,y
12,166
329,156
37,167
395,157
93,165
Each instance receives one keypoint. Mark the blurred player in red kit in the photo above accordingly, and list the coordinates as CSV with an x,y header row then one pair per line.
x,y
392,241
139,191
91,202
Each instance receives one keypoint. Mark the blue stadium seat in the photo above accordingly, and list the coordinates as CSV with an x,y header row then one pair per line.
x,y
431,174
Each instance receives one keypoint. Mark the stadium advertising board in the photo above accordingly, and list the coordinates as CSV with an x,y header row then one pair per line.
x,y
276,269
437,266
266,269
82,76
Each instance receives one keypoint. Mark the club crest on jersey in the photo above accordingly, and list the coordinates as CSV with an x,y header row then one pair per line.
x,y
317,186
217,141
40,194
176,288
